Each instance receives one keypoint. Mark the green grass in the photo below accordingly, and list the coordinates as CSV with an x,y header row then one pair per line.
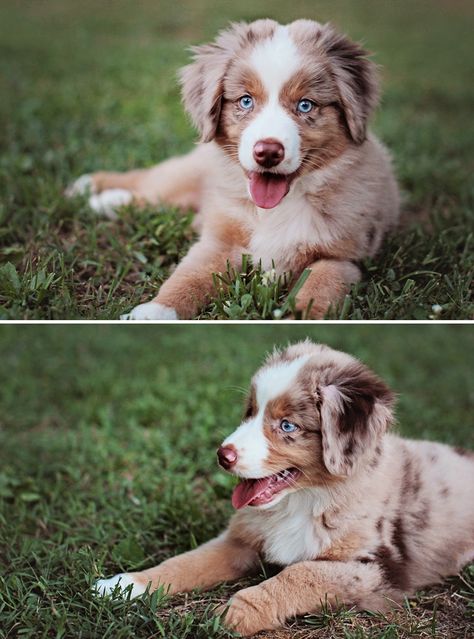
x,y
107,463
91,85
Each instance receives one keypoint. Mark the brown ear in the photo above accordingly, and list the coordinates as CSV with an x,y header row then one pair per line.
x,y
356,410
202,87
355,77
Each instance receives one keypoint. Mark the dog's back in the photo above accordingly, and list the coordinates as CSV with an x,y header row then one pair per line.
x,y
413,512
438,509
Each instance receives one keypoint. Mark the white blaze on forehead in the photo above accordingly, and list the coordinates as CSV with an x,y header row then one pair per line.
x,y
275,61
274,380
249,438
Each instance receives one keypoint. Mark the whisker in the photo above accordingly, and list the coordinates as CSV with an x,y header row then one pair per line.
x,y
240,389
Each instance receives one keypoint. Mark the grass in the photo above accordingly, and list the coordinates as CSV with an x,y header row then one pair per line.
x,y
90,85
107,463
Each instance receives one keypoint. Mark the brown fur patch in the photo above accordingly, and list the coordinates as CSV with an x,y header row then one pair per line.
x,y
343,549
411,478
298,407
421,517
393,569
323,135
303,448
313,82
399,538
251,407
231,232
360,389
376,458
322,140
327,284
463,452
240,80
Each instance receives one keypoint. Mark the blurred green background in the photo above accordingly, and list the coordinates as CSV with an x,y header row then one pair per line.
x,y
60,377
107,454
92,85
112,65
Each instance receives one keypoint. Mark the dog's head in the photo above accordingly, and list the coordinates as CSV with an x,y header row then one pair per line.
x,y
280,100
314,416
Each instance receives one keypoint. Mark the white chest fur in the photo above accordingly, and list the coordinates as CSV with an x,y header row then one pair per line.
x,y
292,226
290,529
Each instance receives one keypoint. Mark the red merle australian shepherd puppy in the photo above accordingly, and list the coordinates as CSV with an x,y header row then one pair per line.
x,y
353,515
286,171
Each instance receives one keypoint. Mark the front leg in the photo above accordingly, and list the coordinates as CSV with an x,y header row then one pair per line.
x,y
305,588
177,181
327,284
221,559
191,285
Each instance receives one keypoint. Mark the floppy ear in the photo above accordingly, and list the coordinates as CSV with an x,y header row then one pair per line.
x,y
356,410
355,77
202,84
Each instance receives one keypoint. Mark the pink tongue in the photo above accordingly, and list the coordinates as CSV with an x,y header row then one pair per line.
x,y
268,189
247,490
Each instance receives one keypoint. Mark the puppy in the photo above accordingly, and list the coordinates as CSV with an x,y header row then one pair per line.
x,y
285,172
355,516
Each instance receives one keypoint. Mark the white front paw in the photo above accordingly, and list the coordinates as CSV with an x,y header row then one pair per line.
x,y
118,584
151,311
84,185
107,202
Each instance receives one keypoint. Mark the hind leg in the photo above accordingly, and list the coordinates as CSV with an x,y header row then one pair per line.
x,y
177,181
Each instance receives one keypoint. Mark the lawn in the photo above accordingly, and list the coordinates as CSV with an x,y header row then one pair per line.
x,y
91,85
107,463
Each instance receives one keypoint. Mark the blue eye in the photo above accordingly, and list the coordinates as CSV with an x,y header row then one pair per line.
x,y
287,427
246,102
305,106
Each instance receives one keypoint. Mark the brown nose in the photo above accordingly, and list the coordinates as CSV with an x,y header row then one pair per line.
x,y
227,456
268,153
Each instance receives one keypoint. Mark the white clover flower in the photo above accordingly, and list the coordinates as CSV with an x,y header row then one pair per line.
x,y
269,277
437,310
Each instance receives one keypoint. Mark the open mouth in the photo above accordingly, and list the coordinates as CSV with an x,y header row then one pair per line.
x,y
256,492
268,189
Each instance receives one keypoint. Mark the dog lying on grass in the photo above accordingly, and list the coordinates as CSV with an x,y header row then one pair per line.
x,y
285,172
354,515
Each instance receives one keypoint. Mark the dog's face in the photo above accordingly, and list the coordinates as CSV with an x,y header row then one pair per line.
x,y
314,417
280,100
